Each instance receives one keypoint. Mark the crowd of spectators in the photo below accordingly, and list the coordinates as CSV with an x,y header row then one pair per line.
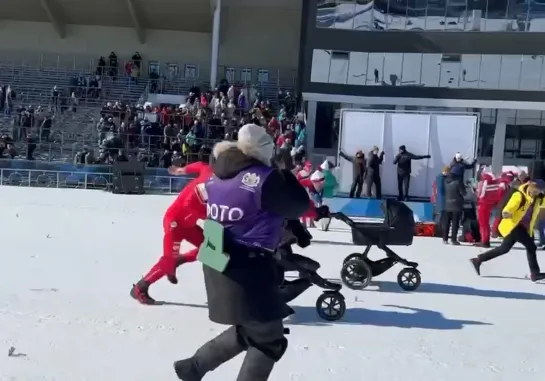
x,y
158,134
163,134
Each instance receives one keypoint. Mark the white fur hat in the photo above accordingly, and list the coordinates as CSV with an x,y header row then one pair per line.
x,y
325,165
317,176
256,139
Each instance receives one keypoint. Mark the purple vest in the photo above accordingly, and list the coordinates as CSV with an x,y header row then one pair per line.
x,y
236,204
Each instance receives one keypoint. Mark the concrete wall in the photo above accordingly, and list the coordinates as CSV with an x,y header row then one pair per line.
x,y
28,41
260,38
257,38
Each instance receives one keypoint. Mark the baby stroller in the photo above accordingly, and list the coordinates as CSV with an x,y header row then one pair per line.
x,y
331,305
396,230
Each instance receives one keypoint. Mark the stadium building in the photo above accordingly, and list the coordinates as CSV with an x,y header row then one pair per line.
x,y
484,57
199,41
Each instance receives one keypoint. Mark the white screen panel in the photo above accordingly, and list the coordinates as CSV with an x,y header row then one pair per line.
x,y
412,131
439,135
450,134
359,131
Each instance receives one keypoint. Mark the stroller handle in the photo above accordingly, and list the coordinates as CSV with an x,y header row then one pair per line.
x,y
342,217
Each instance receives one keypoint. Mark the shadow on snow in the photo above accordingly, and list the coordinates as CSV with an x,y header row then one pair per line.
x,y
448,289
411,318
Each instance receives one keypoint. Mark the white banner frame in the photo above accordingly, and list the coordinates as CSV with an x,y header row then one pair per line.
x,y
421,176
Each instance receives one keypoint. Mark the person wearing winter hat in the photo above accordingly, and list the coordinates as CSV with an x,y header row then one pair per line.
x,y
404,160
314,185
358,172
250,201
372,175
459,166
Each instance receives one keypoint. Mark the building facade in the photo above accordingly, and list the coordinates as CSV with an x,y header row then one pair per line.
x,y
482,56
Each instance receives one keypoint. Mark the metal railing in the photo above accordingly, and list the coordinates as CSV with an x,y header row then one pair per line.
x,y
89,177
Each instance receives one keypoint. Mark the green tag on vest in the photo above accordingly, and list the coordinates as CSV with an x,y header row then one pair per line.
x,y
211,251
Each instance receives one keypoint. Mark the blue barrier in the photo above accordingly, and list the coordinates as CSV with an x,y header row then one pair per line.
x,y
67,175
371,208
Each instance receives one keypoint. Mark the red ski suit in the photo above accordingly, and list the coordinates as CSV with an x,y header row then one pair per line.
x,y
490,191
180,223
309,186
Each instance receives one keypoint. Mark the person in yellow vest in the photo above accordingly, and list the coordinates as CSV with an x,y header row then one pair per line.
x,y
519,217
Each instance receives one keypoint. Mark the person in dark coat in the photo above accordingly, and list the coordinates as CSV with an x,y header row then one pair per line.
x,y
374,160
250,200
459,166
455,192
403,160
439,202
358,172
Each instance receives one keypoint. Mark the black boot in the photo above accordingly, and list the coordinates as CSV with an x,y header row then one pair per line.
x,y
534,277
476,263
211,355
139,292
257,366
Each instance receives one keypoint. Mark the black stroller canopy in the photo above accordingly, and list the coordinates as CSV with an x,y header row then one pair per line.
x,y
398,215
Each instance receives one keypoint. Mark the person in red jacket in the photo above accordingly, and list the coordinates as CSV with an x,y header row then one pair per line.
x,y
179,223
314,185
490,191
507,180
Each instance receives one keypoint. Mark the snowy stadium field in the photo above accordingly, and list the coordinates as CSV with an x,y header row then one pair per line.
x,y
69,257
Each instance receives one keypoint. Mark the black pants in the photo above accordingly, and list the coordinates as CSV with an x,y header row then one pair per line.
x,y
264,344
357,187
403,184
451,218
369,186
518,234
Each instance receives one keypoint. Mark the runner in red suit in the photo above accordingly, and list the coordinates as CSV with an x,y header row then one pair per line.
x,y
179,223
490,191
314,185
507,179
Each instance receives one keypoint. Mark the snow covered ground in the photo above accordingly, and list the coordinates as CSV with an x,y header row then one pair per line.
x,y
68,259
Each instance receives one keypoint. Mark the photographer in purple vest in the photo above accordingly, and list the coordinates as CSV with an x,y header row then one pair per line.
x,y
251,200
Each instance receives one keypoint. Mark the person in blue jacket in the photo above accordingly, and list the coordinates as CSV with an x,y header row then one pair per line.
x,y
459,166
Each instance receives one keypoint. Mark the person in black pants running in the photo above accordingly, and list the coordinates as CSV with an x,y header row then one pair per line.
x,y
454,205
403,160
519,217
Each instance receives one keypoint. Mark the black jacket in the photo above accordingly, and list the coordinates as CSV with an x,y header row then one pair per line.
x,y
454,194
248,290
373,164
403,161
358,165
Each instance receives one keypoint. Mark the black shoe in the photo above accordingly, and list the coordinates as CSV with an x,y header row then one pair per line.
x,y
139,292
476,263
485,245
217,351
257,366
186,370
534,277
172,279
455,243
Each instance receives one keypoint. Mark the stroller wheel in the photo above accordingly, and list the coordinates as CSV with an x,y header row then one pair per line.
x,y
331,306
356,274
409,279
352,256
